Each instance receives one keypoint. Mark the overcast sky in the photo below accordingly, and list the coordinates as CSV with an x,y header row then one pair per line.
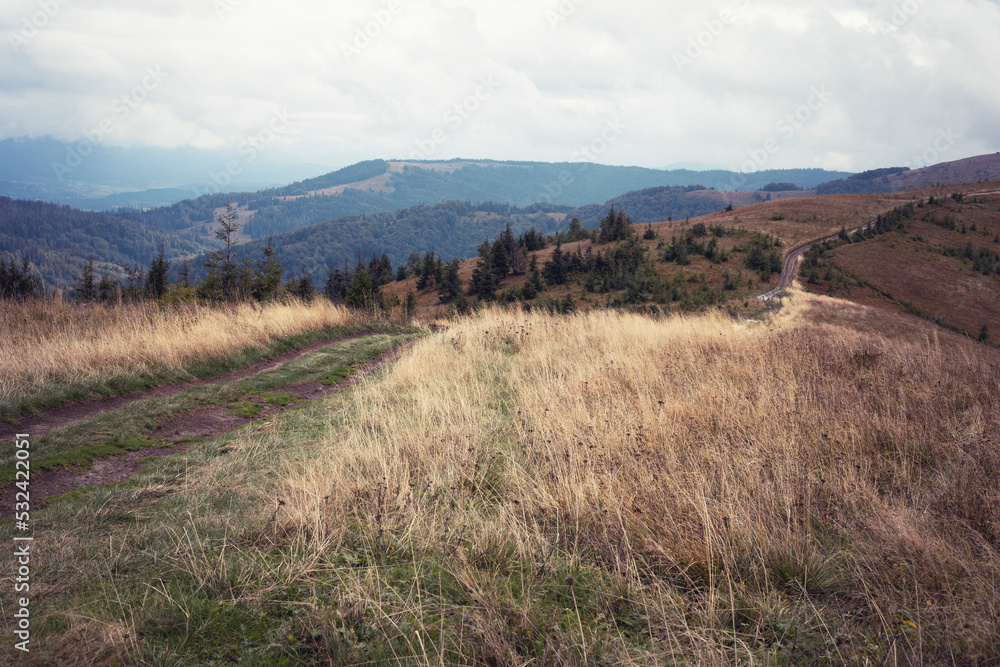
x,y
742,84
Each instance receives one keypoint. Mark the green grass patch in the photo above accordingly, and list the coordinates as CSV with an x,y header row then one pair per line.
x,y
129,427
246,409
337,376
278,398
116,384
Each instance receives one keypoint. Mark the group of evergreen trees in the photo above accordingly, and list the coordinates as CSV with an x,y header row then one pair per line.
x,y
625,266
228,277
19,281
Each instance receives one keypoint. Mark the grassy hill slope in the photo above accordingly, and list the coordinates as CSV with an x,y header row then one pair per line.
x,y
598,489
695,281
377,185
944,265
59,239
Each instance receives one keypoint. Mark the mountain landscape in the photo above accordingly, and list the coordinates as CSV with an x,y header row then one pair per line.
x,y
459,423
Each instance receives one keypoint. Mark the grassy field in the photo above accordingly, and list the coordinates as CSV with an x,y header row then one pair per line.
x,y
53,352
523,489
793,221
934,267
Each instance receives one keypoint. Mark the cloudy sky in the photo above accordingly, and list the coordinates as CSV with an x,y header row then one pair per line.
x,y
741,84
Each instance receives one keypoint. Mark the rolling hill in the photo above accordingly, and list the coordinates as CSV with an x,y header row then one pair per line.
x,y
57,240
968,170
378,185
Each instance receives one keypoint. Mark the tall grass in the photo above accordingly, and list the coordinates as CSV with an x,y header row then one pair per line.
x,y
594,489
728,492
47,343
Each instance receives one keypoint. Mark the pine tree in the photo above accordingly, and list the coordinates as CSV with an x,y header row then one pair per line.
x,y
85,288
484,281
157,280
223,272
451,284
269,275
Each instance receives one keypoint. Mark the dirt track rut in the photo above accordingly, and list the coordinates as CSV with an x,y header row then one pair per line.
x,y
177,435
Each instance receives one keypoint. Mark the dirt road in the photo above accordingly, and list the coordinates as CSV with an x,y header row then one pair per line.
x,y
789,267
177,435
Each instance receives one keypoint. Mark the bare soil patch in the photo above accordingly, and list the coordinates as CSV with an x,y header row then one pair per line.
x,y
195,426
48,420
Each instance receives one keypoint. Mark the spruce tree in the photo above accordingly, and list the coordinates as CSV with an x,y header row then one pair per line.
x,y
269,275
451,284
106,288
85,289
410,306
184,276
223,273
363,293
555,269
484,282
157,279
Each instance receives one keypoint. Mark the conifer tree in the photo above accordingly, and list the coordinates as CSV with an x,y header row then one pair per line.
x,y
451,284
106,289
184,276
157,280
427,269
484,282
85,288
410,306
555,269
363,293
269,275
223,271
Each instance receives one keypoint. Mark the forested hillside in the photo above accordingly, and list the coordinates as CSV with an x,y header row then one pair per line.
x,y
653,205
59,239
451,229
407,184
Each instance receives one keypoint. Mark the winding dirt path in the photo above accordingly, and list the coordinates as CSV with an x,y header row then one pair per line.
x,y
42,422
187,428
789,268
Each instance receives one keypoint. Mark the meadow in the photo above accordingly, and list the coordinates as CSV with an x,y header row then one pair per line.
x,y
54,352
817,487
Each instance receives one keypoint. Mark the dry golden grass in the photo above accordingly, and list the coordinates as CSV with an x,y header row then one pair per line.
x,y
48,343
734,479
603,488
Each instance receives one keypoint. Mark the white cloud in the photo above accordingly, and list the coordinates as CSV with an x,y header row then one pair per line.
x,y
899,73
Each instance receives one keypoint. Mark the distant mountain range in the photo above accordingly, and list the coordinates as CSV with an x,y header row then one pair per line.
x,y
97,177
968,170
377,186
394,207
